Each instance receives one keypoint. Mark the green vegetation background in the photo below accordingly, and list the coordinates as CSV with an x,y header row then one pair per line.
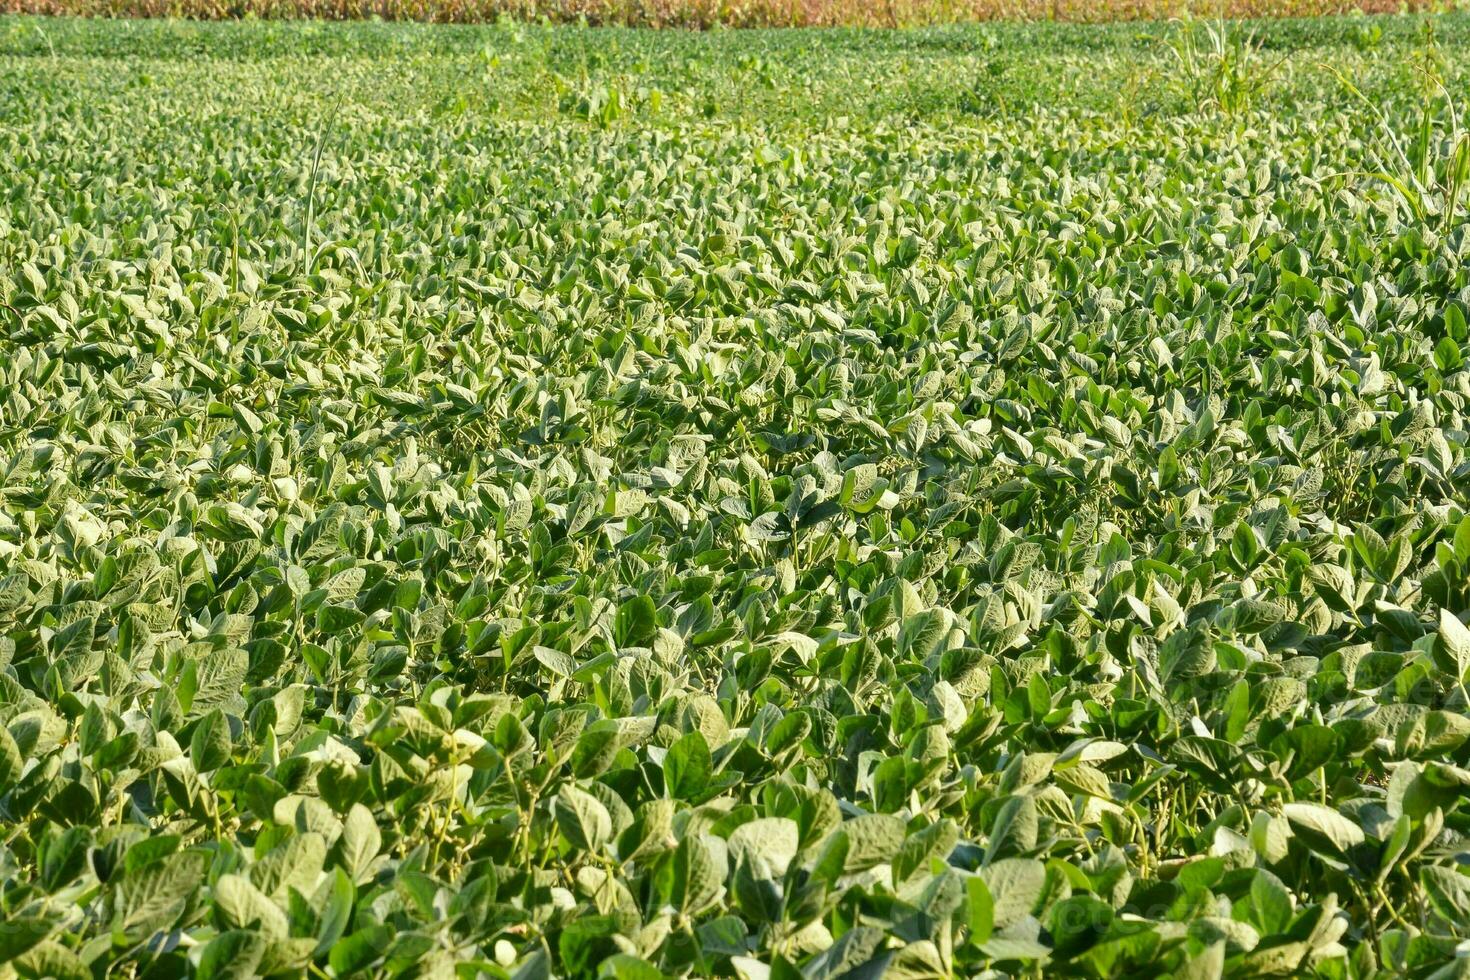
x,y
538,501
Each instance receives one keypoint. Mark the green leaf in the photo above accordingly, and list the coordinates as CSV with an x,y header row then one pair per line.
x,y
582,819
63,856
1208,964
1454,640
1270,903
1325,831
1014,830
337,912
242,906
1447,355
699,872
359,950
873,839
636,623
595,749
980,909
1448,890
210,745
22,932
151,898
1015,886
360,843
770,841
295,863
232,955
11,762
50,960
1245,547
687,767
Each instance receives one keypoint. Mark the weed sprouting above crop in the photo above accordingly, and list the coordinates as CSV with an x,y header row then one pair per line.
x,y
525,502
1429,165
1220,66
